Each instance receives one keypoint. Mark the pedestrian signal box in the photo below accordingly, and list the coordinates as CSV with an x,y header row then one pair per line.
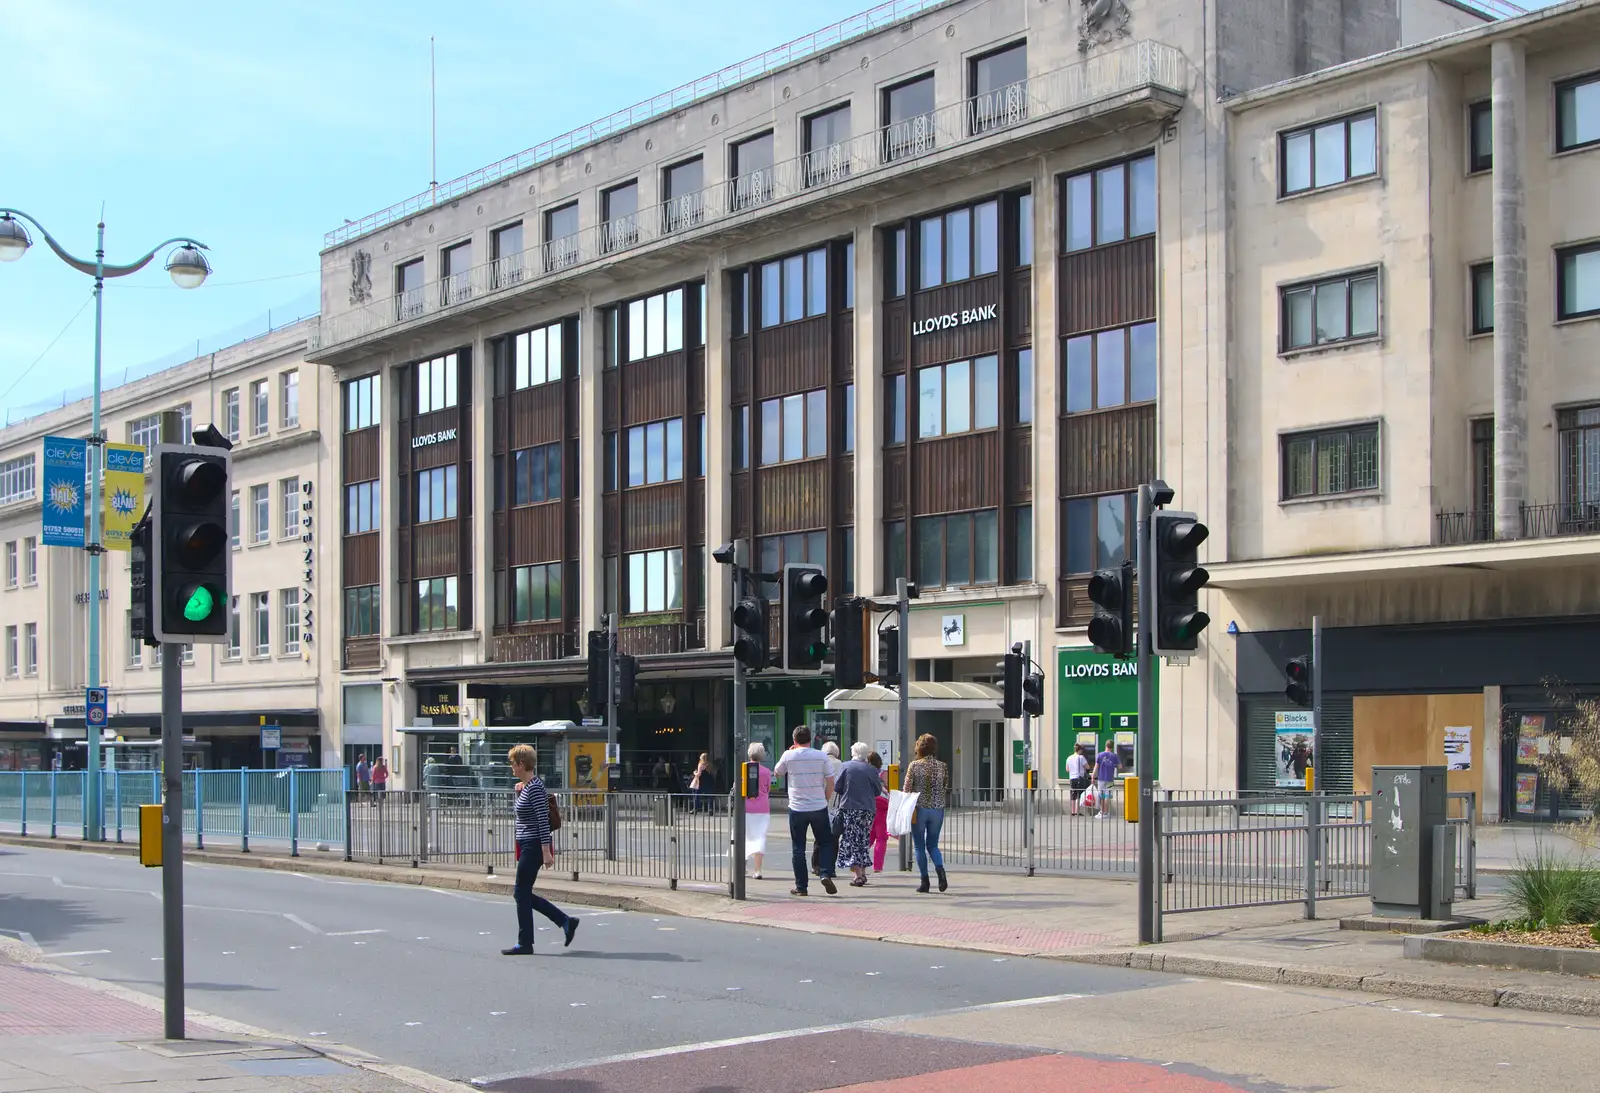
x,y
150,836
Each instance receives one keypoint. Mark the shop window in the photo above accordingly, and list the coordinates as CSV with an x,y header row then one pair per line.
x,y
1328,153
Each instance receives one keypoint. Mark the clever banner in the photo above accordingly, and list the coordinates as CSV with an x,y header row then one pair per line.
x,y
65,462
124,494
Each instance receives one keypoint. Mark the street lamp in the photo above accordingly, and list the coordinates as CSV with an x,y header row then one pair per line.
x,y
189,269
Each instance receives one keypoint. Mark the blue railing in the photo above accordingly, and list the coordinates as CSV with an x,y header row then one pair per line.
x,y
220,807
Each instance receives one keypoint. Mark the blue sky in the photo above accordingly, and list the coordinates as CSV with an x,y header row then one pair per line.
x,y
257,127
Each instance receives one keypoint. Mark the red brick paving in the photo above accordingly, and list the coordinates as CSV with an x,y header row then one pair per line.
x,y
1049,1074
896,924
40,1003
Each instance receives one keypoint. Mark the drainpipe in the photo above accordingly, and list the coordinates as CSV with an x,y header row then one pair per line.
x,y
1507,67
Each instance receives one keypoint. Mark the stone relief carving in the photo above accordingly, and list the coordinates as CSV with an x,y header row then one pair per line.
x,y
1102,21
360,277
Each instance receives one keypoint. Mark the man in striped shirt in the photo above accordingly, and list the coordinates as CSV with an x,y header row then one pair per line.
x,y
535,848
810,776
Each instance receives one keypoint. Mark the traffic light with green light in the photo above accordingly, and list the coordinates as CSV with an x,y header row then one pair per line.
x,y
190,563
804,620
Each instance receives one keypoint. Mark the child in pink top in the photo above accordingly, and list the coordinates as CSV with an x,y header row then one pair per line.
x,y
758,811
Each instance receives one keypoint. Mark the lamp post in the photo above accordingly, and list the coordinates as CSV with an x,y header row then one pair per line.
x,y
188,269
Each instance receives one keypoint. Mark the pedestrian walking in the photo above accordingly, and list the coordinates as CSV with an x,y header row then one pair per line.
x,y
535,848
810,785
831,751
1077,780
363,774
700,783
1106,766
758,810
857,791
880,820
380,777
929,779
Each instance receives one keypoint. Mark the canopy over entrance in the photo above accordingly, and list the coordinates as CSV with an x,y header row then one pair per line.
x,y
922,695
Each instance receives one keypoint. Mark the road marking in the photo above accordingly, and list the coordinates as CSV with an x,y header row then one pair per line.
x,y
424,937
1246,986
497,1013
230,952
770,1037
78,952
874,973
577,1005
303,924
735,988
354,933
412,1024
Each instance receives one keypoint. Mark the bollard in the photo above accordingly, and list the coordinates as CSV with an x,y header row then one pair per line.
x,y
244,809
1130,798
199,812
52,804
24,777
116,798
294,814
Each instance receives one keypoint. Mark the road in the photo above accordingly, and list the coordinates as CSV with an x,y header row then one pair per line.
x,y
641,1004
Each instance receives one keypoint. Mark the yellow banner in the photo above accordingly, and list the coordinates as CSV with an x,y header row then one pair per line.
x,y
123,494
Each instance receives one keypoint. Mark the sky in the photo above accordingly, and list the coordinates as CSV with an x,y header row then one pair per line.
x,y
255,127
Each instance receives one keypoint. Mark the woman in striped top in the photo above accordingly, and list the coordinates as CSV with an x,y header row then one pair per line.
x,y
535,848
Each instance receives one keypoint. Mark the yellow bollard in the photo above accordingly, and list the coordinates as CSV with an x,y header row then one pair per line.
x,y
1311,780
1031,779
1130,798
150,835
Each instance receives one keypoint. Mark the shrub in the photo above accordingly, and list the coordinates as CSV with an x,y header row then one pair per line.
x,y
1554,891
1594,931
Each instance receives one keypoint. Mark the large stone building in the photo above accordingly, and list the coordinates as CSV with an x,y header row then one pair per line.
x,y
926,294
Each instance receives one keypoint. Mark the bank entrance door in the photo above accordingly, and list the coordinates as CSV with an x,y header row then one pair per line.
x,y
990,788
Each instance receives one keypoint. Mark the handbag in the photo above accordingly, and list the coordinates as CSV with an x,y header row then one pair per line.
x,y
902,806
555,813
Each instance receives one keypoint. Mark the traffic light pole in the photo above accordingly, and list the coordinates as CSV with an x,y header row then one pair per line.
x,y
1316,700
172,836
612,730
1027,764
1145,667
741,733
903,615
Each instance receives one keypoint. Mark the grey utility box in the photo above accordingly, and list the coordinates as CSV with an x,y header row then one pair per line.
x,y
1407,804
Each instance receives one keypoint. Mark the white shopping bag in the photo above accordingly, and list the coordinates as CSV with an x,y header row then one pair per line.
x,y
901,808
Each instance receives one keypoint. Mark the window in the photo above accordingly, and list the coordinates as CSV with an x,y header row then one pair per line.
x,y
739,303
362,403
655,581
1331,462
16,479
259,408
741,438
361,611
1024,229
536,356
908,119
1578,433
751,168
847,561
794,427
536,474
455,273
1099,532
1328,154
655,452
777,551
146,433
436,494
850,274
794,288
289,502
610,456
30,649
289,618
895,267
261,623
959,244
408,302
12,564
1483,475
561,237
1110,204
232,652
1480,137
655,325
1022,544
827,140
30,560
958,397
1340,309
536,593
11,652
233,520
1022,413
999,91
289,398
261,514
1578,281
958,550
847,423
894,409
1482,297
1111,368
436,384
700,457
230,414
894,552
1578,113
436,604
621,215
135,645
505,251
684,204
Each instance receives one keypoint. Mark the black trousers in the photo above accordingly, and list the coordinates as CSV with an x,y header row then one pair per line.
x,y
529,901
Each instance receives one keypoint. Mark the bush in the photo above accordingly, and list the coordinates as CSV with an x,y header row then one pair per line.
x,y
1554,891
1594,931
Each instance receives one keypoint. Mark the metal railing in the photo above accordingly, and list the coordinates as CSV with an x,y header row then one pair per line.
x,y
1550,521
1101,76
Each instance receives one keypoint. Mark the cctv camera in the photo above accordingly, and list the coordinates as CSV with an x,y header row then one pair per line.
x,y
724,554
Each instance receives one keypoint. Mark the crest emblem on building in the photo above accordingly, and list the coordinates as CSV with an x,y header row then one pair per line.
x,y
360,277
1102,21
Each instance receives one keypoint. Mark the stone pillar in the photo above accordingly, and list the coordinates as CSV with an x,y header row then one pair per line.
x,y
1507,66
719,475
591,468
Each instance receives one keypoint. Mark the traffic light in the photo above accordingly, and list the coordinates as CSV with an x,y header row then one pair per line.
x,y
1178,578
750,644
627,673
599,657
889,656
1033,695
804,620
139,580
1301,687
1111,592
1013,668
190,564
848,630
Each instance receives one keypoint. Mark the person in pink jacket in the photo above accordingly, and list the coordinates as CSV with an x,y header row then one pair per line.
x,y
880,822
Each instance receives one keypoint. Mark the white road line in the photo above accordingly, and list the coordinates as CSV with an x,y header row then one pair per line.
x,y
78,952
303,924
354,933
769,1037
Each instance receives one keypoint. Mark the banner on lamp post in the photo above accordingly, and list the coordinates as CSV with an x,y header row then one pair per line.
x,y
66,461
124,494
